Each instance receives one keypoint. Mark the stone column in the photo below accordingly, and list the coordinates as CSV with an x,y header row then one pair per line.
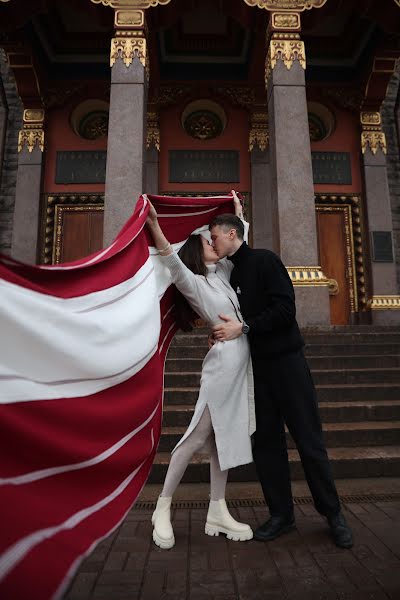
x,y
126,133
260,182
294,221
385,301
28,188
152,153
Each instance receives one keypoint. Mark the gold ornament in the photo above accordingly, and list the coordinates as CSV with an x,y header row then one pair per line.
x,y
374,140
259,135
129,18
371,118
127,48
32,133
153,131
372,135
298,5
287,50
129,4
307,276
290,21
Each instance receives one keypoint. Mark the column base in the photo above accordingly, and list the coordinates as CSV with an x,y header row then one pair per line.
x,y
385,317
312,306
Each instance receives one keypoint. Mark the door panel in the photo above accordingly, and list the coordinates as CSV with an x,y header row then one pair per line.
x,y
331,227
79,232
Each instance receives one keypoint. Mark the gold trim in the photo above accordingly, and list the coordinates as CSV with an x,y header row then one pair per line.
x,y
286,50
128,46
131,4
298,5
307,276
259,134
49,204
385,303
357,243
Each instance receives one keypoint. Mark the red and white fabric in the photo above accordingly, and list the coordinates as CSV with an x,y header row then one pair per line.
x,y
82,355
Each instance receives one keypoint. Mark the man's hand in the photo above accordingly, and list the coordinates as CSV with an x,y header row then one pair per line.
x,y
229,330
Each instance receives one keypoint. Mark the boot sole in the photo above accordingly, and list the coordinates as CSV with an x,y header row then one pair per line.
x,y
235,536
274,537
163,543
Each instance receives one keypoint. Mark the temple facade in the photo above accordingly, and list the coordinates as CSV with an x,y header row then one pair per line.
x,y
293,103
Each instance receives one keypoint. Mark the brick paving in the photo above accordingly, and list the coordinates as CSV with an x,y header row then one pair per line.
x,y
303,564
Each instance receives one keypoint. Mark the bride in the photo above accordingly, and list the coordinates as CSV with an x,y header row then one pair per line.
x,y
223,419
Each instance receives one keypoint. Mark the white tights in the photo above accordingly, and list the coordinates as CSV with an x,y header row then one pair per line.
x,y
180,459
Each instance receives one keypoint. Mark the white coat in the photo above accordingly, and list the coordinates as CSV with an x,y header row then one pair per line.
x,y
226,378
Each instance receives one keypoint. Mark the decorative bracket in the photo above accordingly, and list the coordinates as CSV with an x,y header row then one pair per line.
x,y
32,132
372,136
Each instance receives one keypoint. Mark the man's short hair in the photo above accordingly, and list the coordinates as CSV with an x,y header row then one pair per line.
x,y
228,221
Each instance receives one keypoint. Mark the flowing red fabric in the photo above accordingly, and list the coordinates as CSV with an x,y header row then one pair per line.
x,y
72,467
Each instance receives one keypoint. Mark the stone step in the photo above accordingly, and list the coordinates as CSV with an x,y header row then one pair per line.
x,y
379,461
185,364
179,415
373,433
317,350
320,377
326,393
391,335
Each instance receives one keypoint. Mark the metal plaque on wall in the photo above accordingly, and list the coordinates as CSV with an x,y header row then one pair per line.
x,y
75,166
382,246
204,166
331,167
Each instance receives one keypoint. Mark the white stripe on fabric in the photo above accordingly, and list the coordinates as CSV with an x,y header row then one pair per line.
x,y
80,351
191,214
20,549
43,473
165,337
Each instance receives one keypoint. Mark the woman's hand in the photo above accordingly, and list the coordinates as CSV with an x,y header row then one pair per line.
x,y
238,205
152,217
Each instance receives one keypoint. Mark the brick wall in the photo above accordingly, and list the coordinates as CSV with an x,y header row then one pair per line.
x,y
11,104
390,121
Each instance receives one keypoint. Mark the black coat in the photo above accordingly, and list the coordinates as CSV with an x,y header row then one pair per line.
x,y
267,302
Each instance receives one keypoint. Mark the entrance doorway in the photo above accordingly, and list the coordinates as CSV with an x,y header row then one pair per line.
x,y
337,259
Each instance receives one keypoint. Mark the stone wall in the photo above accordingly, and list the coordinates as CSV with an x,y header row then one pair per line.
x,y
11,106
390,121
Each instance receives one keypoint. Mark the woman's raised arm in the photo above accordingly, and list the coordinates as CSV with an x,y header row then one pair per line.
x,y
160,241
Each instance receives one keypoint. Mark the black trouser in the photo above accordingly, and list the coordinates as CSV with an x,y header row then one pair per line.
x,y
285,393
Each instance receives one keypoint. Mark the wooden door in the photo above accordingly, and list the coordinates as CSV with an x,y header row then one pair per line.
x,y
334,260
78,232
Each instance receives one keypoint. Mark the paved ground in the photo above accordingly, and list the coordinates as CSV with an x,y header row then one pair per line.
x,y
301,565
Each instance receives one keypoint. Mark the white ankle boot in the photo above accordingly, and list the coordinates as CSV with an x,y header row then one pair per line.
x,y
163,534
219,521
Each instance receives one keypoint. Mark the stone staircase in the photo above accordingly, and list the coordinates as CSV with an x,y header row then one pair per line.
x,y
357,375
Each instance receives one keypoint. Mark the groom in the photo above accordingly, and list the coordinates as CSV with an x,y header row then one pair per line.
x,y
284,390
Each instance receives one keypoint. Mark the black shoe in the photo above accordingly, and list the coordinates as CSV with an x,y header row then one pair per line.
x,y
274,527
340,531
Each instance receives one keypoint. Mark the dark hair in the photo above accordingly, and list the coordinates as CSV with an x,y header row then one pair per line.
x,y
192,255
228,221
